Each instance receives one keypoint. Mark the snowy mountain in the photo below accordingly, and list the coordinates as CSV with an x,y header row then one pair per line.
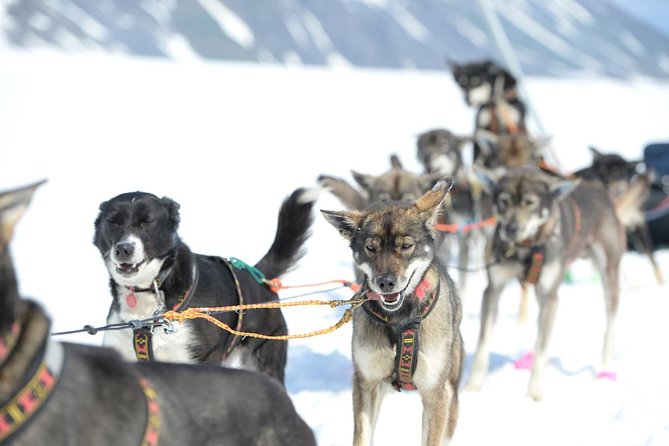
x,y
550,38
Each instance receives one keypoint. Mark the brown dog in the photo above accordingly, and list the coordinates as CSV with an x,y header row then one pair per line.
x,y
544,223
407,335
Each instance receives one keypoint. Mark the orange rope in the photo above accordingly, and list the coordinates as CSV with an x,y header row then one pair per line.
x,y
204,313
275,285
465,228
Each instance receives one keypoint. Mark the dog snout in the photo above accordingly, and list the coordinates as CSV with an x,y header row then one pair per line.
x,y
386,283
512,229
124,250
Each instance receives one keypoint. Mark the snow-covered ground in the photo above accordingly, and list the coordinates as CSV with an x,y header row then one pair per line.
x,y
230,141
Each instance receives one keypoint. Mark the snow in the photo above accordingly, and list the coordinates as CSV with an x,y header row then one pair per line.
x,y
230,141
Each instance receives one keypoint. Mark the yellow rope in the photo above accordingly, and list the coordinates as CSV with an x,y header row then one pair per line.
x,y
204,313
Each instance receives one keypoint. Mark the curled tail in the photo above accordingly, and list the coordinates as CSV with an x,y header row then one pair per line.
x,y
292,231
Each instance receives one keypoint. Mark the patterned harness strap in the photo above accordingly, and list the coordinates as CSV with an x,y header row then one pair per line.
x,y
19,410
536,261
142,336
152,432
406,336
233,341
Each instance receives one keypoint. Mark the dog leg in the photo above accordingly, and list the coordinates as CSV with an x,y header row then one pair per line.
x,y
524,302
463,262
647,246
436,407
489,308
547,310
367,398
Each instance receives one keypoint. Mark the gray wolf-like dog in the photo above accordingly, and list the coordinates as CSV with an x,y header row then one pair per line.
x,y
545,222
406,335
151,269
66,394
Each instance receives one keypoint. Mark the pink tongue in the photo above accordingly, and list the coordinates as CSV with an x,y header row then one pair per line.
x,y
131,300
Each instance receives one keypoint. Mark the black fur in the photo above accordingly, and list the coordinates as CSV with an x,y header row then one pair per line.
x,y
155,221
98,399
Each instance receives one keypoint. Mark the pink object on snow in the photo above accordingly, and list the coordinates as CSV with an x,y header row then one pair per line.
x,y
525,362
604,374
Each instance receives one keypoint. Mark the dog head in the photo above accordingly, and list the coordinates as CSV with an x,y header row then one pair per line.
x,y
136,233
525,199
440,151
393,243
482,82
13,205
613,171
397,184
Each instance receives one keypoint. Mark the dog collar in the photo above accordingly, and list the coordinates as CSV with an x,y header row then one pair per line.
x,y
19,410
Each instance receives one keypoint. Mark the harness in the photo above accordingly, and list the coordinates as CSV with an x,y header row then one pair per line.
x,y
18,411
537,252
405,336
142,334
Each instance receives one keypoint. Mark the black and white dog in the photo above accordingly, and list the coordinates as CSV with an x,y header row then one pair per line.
x,y
152,270
65,394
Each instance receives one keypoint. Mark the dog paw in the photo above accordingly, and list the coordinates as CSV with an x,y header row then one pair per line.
x,y
525,362
607,374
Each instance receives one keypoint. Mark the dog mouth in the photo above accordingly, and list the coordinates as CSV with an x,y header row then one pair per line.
x,y
390,300
128,269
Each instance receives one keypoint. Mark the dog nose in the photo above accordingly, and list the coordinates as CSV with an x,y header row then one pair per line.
x,y
386,283
512,229
124,250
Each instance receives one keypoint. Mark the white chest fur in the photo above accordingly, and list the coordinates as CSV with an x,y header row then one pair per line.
x,y
167,347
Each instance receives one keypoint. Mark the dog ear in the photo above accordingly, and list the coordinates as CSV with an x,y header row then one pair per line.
x,y
346,222
365,181
173,209
431,203
562,188
595,153
395,162
13,205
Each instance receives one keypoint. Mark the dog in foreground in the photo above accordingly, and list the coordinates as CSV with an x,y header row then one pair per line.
x,y
65,394
151,269
545,222
407,333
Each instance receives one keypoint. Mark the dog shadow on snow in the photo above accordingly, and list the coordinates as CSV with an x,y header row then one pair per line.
x,y
308,370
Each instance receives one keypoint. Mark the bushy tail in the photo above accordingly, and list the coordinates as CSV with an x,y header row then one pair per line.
x,y
292,231
629,206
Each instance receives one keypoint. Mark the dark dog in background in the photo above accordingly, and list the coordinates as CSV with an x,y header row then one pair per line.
x,y
151,269
629,185
65,394
493,91
544,223
407,334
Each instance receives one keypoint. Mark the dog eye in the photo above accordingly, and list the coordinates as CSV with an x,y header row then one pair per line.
x,y
112,221
370,248
503,201
145,223
407,244
530,202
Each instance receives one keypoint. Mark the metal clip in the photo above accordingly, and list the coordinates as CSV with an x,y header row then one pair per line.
x,y
168,327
